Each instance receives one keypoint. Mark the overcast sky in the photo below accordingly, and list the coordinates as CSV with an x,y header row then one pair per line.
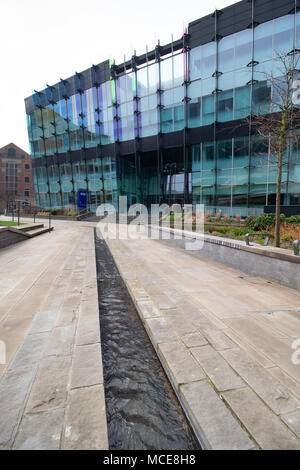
x,y
42,41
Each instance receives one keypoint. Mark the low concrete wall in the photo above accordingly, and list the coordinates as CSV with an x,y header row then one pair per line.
x,y
266,262
9,237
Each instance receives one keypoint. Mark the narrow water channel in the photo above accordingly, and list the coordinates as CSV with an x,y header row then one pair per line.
x,y
142,409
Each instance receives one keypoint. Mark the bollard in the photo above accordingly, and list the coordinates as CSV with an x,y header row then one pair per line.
x,y
296,244
247,241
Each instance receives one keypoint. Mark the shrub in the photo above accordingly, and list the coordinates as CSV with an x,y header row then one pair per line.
x,y
293,219
238,232
218,216
72,214
262,222
207,216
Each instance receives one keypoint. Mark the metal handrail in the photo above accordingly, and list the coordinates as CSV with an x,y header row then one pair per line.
x,y
296,244
257,233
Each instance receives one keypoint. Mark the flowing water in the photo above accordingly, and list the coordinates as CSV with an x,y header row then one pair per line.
x,y
142,409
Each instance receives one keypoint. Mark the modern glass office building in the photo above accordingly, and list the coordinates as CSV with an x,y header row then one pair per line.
x,y
171,125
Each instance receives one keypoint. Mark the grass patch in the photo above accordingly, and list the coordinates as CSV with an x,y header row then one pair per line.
x,y
8,223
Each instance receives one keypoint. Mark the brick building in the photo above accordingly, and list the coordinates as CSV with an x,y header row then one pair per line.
x,y
16,181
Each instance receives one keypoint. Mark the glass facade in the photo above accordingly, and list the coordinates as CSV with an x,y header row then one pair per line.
x,y
173,93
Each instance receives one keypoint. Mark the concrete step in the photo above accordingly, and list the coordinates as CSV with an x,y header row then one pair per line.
x,y
30,227
36,232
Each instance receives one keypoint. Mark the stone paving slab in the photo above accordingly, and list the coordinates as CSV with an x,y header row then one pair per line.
x,y
267,387
269,432
40,431
85,428
217,369
215,423
244,392
49,320
180,364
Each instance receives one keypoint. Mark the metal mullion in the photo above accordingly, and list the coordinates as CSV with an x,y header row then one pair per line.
x,y
251,109
138,183
56,151
116,143
216,114
46,165
71,164
84,148
100,143
33,158
161,195
185,131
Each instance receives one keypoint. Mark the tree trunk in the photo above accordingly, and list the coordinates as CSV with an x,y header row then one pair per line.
x,y
278,193
282,139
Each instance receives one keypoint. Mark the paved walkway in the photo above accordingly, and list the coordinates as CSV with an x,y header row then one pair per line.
x,y
225,339
51,387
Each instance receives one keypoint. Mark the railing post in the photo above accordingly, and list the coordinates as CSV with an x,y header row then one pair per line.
x,y
49,220
19,216
247,241
296,244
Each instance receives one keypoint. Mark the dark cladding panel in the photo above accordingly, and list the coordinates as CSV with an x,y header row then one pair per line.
x,y
200,134
237,17
269,9
227,130
127,148
202,31
173,139
148,144
91,153
234,18
108,150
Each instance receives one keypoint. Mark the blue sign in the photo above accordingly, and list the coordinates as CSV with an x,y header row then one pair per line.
x,y
81,198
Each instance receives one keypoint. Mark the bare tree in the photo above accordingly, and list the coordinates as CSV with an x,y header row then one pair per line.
x,y
282,121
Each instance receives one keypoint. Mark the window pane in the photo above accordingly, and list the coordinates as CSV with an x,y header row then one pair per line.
x,y
195,63
208,59
226,53
242,102
283,34
225,106
243,48
263,41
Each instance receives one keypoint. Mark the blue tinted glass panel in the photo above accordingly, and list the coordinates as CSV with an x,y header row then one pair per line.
x,y
166,71
225,106
243,48
208,59
283,34
195,63
194,113
226,53
242,102
263,34
208,110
